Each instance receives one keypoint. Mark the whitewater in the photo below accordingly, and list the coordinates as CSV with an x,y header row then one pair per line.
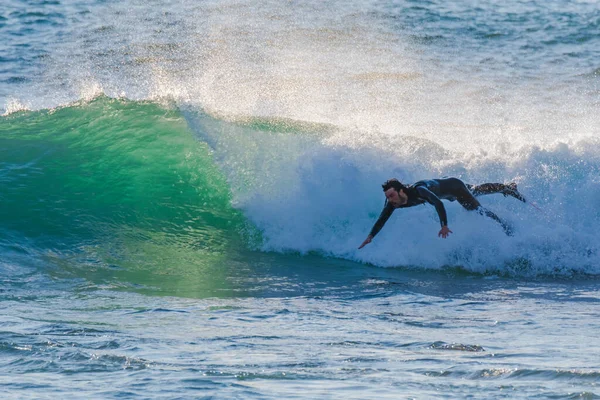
x,y
184,186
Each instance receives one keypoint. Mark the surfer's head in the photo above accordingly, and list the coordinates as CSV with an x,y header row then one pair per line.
x,y
395,192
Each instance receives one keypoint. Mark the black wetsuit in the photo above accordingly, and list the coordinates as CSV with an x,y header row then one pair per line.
x,y
431,191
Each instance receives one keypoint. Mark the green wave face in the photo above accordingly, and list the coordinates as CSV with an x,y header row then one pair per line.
x,y
120,187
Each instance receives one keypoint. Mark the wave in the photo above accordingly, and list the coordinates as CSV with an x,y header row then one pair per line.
x,y
111,184
136,184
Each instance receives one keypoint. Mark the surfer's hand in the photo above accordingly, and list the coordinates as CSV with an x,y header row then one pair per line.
x,y
366,242
444,232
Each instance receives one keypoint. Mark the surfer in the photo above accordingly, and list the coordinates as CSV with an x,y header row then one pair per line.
x,y
431,191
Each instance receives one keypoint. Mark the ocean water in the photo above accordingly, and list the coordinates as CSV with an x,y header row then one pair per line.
x,y
184,185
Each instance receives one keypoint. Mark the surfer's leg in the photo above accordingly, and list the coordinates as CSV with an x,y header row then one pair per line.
x,y
459,190
486,188
491,188
469,202
507,228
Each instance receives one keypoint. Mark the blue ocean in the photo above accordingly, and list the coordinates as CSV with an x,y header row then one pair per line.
x,y
184,186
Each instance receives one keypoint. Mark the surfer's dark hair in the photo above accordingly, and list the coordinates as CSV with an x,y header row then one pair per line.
x,y
393,184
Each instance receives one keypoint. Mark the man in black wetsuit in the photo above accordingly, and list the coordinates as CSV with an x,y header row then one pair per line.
x,y
431,191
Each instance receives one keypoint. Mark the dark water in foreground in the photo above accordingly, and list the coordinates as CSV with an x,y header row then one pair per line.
x,y
297,327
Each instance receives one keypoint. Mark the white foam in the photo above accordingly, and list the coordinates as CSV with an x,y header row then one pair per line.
x,y
13,106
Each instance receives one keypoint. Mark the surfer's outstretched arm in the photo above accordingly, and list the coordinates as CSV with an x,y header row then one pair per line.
x,y
388,209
